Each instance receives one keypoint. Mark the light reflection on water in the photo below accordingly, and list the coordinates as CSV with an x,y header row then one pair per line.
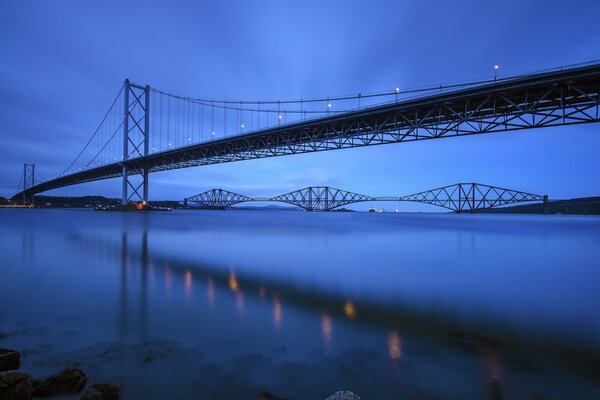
x,y
272,292
327,327
394,345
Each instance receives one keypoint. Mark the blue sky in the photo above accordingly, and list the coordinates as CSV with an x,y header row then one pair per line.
x,y
63,62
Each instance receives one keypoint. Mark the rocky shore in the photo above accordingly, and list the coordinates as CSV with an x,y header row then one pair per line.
x,y
19,385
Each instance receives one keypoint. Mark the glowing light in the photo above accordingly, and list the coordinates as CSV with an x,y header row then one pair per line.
x,y
242,125
189,139
329,105
326,327
169,144
496,66
213,133
394,345
277,312
279,116
349,310
233,282
397,90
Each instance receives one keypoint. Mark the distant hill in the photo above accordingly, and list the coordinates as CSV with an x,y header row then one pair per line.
x,y
584,205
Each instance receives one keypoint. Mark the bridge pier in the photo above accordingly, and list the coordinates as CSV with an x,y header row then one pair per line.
x,y
28,180
125,184
136,139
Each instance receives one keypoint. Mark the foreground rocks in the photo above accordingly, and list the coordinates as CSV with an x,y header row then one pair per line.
x,y
102,391
9,359
344,395
70,380
269,396
15,385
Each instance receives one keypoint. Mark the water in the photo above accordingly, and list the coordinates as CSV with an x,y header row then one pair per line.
x,y
226,304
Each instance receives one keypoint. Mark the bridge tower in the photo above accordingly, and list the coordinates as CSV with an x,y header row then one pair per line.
x,y
28,180
136,140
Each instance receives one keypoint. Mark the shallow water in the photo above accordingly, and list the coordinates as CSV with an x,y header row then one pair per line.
x,y
225,304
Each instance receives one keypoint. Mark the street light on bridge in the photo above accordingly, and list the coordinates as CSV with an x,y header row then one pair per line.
x,y
496,72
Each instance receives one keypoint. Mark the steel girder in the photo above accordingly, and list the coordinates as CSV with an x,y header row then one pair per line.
x,y
566,97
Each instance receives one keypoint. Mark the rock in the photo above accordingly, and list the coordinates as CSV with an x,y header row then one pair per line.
x,y
15,385
344,395
9,360
268,396
70,380
102,391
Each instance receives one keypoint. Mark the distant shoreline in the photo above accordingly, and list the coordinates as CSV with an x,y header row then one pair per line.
x,y
577,206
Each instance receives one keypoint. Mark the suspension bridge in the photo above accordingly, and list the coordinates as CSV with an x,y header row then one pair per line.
x,y
460,197
146,130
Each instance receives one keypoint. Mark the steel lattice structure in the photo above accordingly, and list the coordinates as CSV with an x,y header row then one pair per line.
x,y
321,198
471,197
218,199
557,98
460,197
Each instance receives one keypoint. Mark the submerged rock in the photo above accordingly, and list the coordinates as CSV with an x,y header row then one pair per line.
x,y
102,391
343,395
9,359
15,385
70,380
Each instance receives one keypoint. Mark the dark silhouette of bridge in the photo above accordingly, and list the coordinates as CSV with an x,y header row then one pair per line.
x,y
460,197
146,130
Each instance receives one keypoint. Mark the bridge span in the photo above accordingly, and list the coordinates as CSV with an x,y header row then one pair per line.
x,y
139,136
460,197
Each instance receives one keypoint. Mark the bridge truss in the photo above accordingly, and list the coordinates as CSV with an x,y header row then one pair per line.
x,y
460,197
218,199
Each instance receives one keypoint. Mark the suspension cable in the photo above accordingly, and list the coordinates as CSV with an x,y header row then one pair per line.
x,y
95,132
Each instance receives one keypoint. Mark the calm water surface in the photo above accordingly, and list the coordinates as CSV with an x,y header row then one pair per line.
x,y
223,305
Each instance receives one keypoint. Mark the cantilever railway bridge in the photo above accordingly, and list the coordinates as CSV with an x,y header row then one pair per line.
x,y
460,197
146,130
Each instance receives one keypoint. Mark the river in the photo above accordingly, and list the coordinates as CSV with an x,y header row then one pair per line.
x,y
227,304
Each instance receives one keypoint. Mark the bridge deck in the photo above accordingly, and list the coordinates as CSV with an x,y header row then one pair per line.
x,y
565,97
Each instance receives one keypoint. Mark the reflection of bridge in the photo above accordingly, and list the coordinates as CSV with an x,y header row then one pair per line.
x,y
146,130
459,197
